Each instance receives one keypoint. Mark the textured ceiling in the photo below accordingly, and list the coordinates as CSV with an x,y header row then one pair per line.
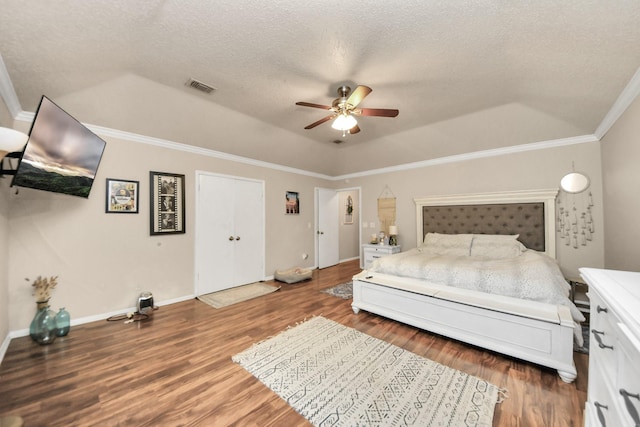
x,y
465,75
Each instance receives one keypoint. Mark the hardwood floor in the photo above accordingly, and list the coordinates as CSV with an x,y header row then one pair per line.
x,y
176,370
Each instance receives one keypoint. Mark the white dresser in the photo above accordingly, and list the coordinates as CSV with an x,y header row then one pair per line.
x,y
614,348
372,252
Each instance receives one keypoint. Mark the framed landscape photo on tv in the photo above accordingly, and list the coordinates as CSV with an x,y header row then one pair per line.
x,y
167,203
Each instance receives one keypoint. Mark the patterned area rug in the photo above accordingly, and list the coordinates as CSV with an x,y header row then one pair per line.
x,y
343,290
337,376
235,295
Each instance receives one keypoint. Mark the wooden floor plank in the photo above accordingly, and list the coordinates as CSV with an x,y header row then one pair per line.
x,y
176,369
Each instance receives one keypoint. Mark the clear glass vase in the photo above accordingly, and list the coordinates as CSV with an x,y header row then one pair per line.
x,y
43,325
63,322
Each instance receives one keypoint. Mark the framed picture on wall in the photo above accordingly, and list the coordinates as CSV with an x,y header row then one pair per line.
x,y
122,196
292,202
167,203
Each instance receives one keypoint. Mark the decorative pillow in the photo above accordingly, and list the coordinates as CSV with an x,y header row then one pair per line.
x,y
496,246
449,244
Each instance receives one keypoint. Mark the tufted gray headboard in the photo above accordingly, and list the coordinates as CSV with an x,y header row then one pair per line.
x,y
525,219
528,213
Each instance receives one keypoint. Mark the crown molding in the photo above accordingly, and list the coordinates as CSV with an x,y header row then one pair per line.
x,y
626,97
543,145
7,91
158,142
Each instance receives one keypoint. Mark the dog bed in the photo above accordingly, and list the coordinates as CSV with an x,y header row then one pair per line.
x,y
293,275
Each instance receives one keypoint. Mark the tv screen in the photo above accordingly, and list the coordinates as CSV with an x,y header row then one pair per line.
x,y
61,155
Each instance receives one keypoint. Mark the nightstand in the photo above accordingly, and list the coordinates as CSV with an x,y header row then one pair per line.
x,y
578,294
372,252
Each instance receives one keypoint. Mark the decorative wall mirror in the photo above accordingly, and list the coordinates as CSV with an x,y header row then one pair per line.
x,y
574,182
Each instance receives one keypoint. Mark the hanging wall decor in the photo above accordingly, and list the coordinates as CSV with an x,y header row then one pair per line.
x,y
167,203
292,202
386,210
574,212
348,216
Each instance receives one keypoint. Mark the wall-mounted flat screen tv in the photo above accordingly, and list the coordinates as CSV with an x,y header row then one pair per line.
x,y
61,155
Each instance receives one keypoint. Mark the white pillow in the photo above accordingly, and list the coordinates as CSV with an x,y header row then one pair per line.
x,y
449,244
496,246
495,237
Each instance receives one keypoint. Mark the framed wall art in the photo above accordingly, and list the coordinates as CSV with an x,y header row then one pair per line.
x,y
167,203
122,196
292,202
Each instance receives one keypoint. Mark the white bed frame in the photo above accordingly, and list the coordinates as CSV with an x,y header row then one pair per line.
x,y
528,330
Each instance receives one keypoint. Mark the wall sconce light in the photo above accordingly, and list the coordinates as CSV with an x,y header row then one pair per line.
x,y
575,225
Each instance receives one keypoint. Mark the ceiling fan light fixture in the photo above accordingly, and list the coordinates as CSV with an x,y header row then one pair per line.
x,y
344,122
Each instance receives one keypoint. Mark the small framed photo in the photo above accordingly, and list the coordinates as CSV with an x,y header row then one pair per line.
x,y
122,196
292,202
167,203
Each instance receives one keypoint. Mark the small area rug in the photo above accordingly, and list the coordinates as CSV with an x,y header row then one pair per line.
x,y
235,295
337,376
343,290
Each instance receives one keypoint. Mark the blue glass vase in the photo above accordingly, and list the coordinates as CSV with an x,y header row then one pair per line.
x,y
43,325
63,322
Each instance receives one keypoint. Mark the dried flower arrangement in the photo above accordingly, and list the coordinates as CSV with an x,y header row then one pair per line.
x,y
43,287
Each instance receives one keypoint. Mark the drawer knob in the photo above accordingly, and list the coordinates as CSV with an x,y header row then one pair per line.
x,y
602,309
597,336
633,412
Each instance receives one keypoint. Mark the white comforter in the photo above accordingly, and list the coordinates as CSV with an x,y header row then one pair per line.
x,y
532,275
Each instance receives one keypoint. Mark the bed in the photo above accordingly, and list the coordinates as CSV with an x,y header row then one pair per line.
x,y
540,329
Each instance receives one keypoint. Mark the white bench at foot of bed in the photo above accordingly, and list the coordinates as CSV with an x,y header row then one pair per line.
x,y
528,330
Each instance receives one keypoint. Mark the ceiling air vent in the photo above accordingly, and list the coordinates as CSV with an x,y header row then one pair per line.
x,y
202,87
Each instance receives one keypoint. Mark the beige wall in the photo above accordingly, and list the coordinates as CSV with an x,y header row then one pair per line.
x,y
621,179
540,169
5,121
105,260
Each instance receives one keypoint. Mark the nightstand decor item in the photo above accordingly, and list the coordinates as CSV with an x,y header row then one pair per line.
x,y
574,217
393,235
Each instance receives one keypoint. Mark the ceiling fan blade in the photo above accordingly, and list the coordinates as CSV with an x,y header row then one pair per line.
x,y
319,122
309,104
358,95
380,112
354,129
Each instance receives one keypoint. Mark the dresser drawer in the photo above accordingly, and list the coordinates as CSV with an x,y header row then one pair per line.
x,y
627,389
602,407
603,345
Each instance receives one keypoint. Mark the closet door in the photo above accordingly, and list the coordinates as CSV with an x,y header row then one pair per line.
x,y
229,240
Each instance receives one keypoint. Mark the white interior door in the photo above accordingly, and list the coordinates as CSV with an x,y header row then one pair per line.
x,y
229,243
249,232
327,227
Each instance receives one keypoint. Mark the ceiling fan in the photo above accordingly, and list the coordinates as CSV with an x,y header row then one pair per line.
x,y
345,107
